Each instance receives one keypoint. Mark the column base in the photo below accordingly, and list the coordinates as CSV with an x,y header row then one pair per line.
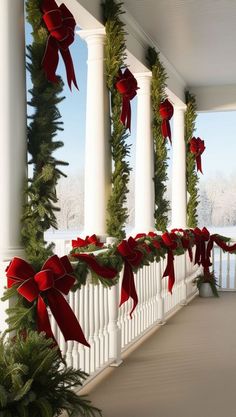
x,y
6,254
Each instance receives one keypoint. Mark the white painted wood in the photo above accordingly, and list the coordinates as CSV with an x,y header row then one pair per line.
x,y
144,185
179,193
12,127
114,331
97,149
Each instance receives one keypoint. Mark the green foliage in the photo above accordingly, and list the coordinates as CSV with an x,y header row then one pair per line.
x,y
159,77
34,382
114,59
210,279
40,191
191,173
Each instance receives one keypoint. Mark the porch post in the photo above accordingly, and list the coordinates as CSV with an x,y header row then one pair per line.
x,y
97,148
144,171
179,193
12,135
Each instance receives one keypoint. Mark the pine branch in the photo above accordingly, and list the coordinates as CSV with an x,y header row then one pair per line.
x,y
40,191
158,95
115,57
191,173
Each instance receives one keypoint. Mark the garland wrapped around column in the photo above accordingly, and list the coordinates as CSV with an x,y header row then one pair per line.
x,y
40,193
191,173
115,57
158,95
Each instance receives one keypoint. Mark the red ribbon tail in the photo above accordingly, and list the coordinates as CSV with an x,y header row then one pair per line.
x,y
50,60
101,271
65,317
198,253
190,253
125,116
170,270
70,72
165,129
128,287
43,323
199,163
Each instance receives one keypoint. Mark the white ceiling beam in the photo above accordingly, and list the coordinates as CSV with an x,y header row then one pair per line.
x,y
215,98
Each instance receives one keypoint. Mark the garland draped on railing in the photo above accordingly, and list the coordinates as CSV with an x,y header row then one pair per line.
x,y
105,266
158,95
191,173
114,59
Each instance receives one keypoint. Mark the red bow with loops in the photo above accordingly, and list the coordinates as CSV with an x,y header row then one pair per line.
x,y
129,250
60,24
202,256
127,86
89,240
48,288
166,112
197,147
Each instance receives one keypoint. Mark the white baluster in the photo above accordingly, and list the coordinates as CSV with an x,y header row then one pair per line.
x,y
86,326
159,296
91,328
69,359
114,331
102,323
75,351
106,334
96,325
81,348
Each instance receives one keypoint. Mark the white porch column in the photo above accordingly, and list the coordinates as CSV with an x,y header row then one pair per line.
x,y
144,185
179,193
12,134
97,149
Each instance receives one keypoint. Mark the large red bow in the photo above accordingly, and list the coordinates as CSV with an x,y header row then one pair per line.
x,y
185,240
169,240
127,86
202,256
48,285
89,240
132,256
61,24
197,147
166,111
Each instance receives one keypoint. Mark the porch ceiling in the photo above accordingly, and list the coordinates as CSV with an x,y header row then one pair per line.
x,y
198,37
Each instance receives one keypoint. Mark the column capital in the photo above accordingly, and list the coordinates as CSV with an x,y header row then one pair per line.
x,y
147,75
92,34
182,108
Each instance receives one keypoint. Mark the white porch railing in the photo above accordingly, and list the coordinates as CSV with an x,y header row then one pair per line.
x,y
108,328
224,266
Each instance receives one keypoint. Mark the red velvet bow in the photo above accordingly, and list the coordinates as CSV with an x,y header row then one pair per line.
x,y
91,261
197,147
185,240
166,112
127,86
89,240
132,258
202,256
60,24
169,240
49,284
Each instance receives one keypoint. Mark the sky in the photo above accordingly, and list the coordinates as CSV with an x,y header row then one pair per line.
x,y
218,129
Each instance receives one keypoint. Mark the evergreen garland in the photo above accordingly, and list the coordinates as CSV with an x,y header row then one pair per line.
x,y
34,382
40,193
191,173
158,94
114,59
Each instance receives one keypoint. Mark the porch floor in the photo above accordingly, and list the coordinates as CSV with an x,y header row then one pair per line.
x,y
185,369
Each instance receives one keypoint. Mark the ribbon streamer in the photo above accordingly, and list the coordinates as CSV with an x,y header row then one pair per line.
x,y
132,257
166,111
60,24
197,147
169,241
127,86
91,261
50,284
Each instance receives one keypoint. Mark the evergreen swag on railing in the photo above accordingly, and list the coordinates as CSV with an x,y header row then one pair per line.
x,y
158,95
191,173
115,61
